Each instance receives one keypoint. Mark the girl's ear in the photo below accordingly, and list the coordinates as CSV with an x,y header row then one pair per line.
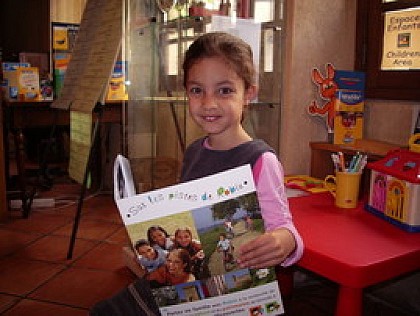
x,y
251,93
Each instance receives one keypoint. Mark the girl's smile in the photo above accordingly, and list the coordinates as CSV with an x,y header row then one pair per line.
x,y
183,238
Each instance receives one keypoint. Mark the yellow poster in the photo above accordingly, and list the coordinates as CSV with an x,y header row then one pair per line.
x,y
401,49
80,143
60,38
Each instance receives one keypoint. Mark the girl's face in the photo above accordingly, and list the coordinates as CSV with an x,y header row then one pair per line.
x,y
217,97
174,264
159,237
183,238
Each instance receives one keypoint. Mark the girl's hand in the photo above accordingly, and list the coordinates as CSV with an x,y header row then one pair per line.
x,y
267,250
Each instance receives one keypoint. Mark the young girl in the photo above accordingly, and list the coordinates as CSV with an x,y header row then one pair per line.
x,y
184,240
220,81
158,236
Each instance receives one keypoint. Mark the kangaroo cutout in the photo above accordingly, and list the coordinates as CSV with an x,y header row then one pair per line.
x,y
327,89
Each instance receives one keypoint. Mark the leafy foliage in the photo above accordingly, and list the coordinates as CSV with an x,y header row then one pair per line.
x,y
228,208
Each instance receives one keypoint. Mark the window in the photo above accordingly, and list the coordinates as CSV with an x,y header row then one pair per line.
x,y
382,84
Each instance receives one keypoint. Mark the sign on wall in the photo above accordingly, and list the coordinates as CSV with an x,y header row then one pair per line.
x,y
401,47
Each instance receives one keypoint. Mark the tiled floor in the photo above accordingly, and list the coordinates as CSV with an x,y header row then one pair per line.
x,y
36,278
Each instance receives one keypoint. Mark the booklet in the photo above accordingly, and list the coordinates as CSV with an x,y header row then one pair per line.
x,y
186,237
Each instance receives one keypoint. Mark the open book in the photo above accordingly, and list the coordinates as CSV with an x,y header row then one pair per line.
x,y
186,239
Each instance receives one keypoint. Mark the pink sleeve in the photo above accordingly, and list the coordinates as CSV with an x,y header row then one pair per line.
x,y
269,180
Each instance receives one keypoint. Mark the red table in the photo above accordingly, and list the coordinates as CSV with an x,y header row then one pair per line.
x,y
351,247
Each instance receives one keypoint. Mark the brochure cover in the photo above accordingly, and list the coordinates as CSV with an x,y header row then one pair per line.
x,y
186,237
28,84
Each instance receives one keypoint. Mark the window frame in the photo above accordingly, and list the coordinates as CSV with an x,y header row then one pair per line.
x,y
391,84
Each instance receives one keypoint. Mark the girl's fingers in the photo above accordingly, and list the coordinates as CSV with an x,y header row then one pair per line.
x,y
267,250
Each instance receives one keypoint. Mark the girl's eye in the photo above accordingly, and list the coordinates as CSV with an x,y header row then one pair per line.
x,y
195,90
225,90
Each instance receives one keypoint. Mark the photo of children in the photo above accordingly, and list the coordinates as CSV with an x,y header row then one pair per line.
x,y
169,251
193,252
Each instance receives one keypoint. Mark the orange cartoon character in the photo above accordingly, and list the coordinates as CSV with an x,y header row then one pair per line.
x,y
327,89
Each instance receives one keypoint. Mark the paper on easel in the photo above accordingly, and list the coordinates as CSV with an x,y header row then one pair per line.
x,y
93,56
87,75
80,143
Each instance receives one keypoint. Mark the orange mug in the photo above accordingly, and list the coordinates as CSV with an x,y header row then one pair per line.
x,y
344,186
413,143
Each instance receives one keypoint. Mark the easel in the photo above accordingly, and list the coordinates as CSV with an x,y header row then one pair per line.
x,y
86,80
94,144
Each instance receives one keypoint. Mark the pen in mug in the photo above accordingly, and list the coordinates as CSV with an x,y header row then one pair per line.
x,y
357,164
341,158
353,162
360,163
363,162
336,162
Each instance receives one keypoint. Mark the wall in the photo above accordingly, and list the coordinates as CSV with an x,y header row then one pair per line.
x,y
316,34
67,11
390,121
24,27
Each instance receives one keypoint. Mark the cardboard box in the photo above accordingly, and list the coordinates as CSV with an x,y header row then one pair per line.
x,y
348,127
10,78
350,95
28,84
116,86
349,106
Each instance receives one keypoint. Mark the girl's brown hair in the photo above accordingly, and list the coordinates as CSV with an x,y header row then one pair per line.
x,y
233,50
183,229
